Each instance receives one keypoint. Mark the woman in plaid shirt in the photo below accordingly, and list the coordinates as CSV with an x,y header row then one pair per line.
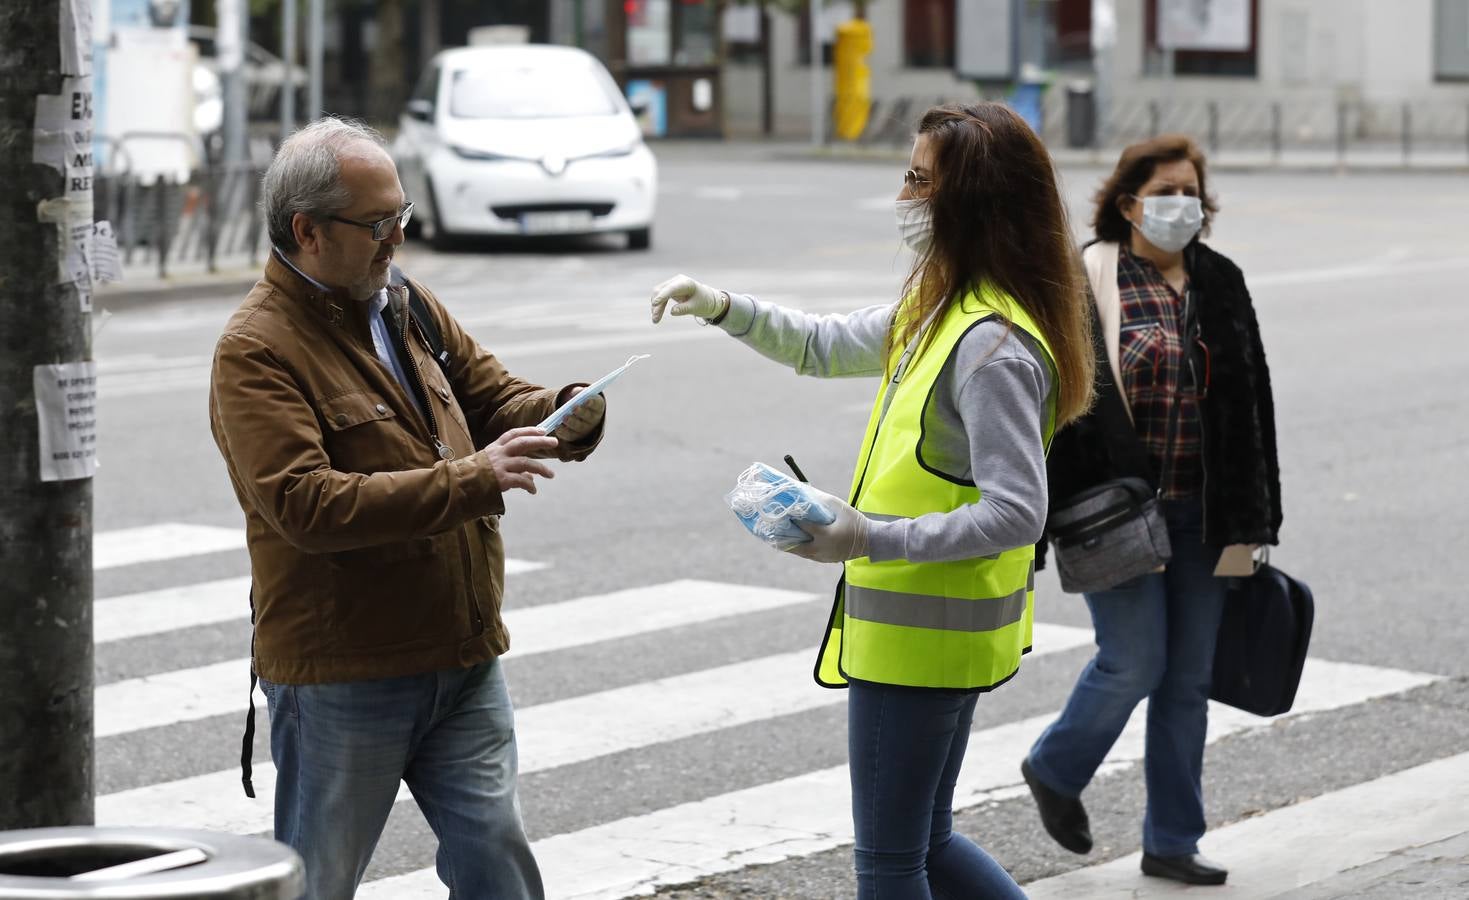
x,y
1177,339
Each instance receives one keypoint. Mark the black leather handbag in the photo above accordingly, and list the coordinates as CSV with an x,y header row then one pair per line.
x,y
1115,531
1262,642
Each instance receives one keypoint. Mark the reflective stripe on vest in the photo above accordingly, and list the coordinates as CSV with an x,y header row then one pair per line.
x,y
957,624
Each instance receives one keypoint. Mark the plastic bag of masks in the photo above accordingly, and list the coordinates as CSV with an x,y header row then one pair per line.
x,y
769,504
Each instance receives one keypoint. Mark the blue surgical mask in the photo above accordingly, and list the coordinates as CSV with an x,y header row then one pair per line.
x,y
1171,221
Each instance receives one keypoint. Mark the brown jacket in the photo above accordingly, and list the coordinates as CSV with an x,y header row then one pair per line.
x,y
372,557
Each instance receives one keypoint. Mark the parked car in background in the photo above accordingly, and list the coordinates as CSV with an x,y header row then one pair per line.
x,y
527,140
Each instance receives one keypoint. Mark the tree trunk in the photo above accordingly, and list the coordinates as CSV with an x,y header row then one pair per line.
x,y
386,74
430,25
46,756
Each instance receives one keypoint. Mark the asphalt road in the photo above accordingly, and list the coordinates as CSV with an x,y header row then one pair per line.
x,y
1358,282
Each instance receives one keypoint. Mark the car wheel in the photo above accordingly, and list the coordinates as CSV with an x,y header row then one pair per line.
x,y
429,227
640,239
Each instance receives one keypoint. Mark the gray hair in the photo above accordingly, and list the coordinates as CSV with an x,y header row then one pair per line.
x,y
306,176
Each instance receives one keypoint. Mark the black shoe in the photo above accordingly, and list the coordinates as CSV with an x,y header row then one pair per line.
x,y
1191,868
1064,817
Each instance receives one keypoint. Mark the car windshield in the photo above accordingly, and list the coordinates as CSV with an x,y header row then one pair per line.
x,y
522,91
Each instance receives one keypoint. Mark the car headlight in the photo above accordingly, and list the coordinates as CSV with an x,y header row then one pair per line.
x,y
467,153
624,150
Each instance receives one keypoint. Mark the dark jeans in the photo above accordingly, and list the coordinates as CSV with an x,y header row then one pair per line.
x,y
1155,641
906,747
340,751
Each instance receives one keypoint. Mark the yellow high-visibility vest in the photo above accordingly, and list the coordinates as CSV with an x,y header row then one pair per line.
x,y
960,624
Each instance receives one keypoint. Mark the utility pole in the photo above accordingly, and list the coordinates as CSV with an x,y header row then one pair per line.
x,y
288,78
46,756
818,74
233,28
315,41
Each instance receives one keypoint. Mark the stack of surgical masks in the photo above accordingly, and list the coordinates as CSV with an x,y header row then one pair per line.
x,y
770,504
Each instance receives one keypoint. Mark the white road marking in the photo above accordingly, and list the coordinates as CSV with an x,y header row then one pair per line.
x,y
810,813
207,603
185,695
553,734
154,543
1300,845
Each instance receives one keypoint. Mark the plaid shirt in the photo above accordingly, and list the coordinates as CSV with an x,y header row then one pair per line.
x,y
1150,354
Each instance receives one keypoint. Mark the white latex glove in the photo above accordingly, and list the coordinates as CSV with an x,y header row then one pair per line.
x,y
689,298
844,539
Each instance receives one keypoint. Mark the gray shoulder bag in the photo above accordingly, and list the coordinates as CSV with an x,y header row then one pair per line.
x,y
1115,531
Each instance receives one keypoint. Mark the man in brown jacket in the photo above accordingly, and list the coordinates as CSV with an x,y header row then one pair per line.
x,y
372,476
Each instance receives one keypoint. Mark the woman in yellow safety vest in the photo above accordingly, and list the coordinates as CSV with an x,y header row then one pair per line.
x,y
984,356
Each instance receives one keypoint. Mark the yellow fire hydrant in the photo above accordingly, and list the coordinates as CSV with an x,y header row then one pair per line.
x,y
853,80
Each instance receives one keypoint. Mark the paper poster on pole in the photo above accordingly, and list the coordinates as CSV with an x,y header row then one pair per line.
x,y
63,135
66,413
1204,24
105,263
76,37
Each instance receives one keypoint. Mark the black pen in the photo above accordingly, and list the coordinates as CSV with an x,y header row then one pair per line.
x,y
791,461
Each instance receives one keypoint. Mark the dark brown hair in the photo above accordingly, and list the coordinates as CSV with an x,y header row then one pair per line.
x,y
1136,165
999,219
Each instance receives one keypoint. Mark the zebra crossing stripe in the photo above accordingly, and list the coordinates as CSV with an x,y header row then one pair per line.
x,y
155,543
553,734
1304,844
810,813
184,695
206,603
154,612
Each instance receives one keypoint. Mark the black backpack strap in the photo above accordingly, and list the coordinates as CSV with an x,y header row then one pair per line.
x,y
247,745
427,327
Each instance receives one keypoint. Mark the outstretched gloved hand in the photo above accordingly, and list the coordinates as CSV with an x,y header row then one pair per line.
x,y
843,539
689,298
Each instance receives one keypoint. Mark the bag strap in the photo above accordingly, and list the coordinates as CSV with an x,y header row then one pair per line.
x,y
418,309
247,744
1186,341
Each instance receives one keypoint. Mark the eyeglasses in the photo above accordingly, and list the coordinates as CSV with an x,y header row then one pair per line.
x,y
382,229
912,179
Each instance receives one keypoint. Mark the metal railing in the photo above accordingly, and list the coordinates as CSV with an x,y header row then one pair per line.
x,y
167,221
1270,132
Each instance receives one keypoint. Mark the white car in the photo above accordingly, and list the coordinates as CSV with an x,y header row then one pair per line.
x,y
530,139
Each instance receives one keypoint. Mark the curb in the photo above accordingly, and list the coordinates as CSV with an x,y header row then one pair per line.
x,y
140,291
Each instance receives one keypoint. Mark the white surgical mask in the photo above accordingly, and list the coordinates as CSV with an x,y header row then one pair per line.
x,y
915,223
1171,221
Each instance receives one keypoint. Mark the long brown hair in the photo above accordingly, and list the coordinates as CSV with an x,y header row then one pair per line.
x,y
1134,168
999,219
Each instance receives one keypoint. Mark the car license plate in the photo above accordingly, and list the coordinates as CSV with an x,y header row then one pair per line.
x,y
555,222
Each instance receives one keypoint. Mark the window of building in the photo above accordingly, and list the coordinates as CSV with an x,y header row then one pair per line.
x,y
1221,35
742,27
649,35
1451,40
928,34
695,25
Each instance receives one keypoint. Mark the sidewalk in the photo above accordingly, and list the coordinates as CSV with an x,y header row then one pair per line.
x,y
141,282
1356,161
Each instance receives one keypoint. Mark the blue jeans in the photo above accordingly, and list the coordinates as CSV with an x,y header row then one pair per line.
x,y
906,746
340,751
1155,639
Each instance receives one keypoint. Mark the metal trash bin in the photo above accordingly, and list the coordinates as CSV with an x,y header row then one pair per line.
x,y
146,864
1081,114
